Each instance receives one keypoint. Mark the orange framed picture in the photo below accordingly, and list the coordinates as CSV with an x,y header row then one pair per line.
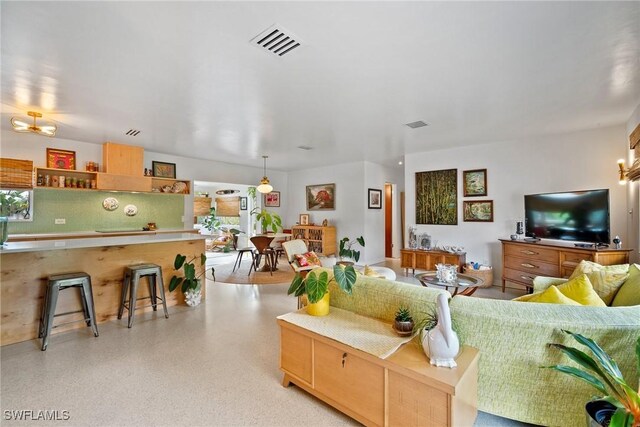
x,y
61,159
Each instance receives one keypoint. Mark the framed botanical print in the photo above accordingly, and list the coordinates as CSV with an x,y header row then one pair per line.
x,y
61,159
272,199
375,199
478,211
163,170
474,183
437,197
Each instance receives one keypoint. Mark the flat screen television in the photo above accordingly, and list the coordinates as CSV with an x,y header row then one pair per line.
x,y
581,216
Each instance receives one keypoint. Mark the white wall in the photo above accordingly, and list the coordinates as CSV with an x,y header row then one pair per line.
x,y
351,217
578,161
31,146
633,191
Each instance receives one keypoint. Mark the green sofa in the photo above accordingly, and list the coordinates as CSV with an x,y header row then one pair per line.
x,y
512,338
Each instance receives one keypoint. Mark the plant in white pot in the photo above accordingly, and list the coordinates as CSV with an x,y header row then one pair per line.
x,y
347,254
191,282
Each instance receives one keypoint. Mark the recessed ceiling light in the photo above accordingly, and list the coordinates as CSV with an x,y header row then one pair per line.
x,y
400,162
418,124
305,147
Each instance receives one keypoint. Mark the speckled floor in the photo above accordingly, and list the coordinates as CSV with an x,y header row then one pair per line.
x,y
216,365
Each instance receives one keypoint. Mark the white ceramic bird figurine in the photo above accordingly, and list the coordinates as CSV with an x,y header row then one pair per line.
x,y
441,343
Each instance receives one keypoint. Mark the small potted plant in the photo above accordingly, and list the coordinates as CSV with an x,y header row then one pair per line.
x,y
347,253
191,282
403,323
620,404
316,287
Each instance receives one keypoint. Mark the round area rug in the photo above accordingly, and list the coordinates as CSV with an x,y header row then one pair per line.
x,y
284,274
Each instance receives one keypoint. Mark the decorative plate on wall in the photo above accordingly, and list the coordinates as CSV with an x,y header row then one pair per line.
x,y
131,210
110,203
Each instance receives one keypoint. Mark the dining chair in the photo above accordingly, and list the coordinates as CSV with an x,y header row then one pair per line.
x,y
262,244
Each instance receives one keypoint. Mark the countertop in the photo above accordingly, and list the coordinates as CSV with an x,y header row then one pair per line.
x,y
89,234
93,242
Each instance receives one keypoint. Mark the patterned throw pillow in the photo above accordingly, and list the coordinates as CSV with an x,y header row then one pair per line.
x,y
312,258
301,260
606,279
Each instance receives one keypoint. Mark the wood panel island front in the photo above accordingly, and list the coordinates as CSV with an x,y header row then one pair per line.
x,y
25,266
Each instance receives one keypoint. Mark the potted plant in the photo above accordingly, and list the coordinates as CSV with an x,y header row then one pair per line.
x,y
212,222
346,253
191,282
620,405
268,220
403,322
316,287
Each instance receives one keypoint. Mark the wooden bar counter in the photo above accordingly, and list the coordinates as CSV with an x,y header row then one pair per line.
x,y
25,266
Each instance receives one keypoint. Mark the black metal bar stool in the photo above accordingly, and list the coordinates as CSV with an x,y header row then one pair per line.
x,y
241,253
132,276
59,283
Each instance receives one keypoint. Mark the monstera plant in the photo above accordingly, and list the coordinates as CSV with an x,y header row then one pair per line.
x,y
315,285
191,281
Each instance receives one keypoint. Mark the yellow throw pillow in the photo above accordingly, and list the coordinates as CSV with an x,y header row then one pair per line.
x,y
551,296
606,279
527,297
629,292
581,291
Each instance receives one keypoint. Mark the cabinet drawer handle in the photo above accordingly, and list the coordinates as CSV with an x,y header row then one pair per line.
x,y
526,277
344,359
529,252
524,264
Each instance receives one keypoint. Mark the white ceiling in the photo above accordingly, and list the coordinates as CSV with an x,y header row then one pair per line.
x,y
186,75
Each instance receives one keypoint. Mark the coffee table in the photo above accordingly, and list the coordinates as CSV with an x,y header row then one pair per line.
x,y
464,284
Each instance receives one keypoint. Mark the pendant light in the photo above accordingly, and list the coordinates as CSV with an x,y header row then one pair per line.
x,y
264,186
21,126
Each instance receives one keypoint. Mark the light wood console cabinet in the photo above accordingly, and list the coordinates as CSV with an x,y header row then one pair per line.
x,y
523,261
318,239
402,390
426,260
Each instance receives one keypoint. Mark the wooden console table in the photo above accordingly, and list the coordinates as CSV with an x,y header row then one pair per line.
x,y
427,260
523,261
402,390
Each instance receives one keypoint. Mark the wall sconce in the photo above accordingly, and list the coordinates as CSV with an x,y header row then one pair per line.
x,y
623,172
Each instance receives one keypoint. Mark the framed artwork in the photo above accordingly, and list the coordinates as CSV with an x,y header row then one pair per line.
x,y
272,200
163,170
321,197
474,183
375,199
437,197
243,203
304,219
480,211
61,159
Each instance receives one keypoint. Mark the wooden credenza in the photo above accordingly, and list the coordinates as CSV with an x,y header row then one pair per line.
x,y
523,261
401,390
426,260
318,239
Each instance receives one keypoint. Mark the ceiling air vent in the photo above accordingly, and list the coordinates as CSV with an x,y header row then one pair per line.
x,y
276,40
418,124
133,132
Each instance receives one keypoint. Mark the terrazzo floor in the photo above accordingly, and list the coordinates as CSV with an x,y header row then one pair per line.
x,y
214,365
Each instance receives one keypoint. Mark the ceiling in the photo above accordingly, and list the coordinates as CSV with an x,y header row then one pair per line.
x,y
186,75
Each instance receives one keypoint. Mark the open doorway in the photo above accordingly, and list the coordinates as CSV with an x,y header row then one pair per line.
x,y
388,220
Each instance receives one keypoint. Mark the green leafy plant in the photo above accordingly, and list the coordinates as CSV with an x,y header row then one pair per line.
x,y
268,220
603,374
212,222
191,280
316,285
14,202
403,315
427,320
345,248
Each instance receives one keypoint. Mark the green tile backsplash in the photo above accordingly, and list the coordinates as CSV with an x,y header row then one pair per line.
x,y
83,211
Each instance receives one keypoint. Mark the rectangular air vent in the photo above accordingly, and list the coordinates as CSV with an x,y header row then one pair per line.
x,y
276,40
132,132
418,124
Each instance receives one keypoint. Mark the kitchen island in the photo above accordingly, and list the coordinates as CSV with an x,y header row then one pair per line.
x,y
25,266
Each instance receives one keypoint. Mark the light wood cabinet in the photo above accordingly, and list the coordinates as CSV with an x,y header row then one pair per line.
x,y
109,181
426,260
402,390
523,261
318,239
122,159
